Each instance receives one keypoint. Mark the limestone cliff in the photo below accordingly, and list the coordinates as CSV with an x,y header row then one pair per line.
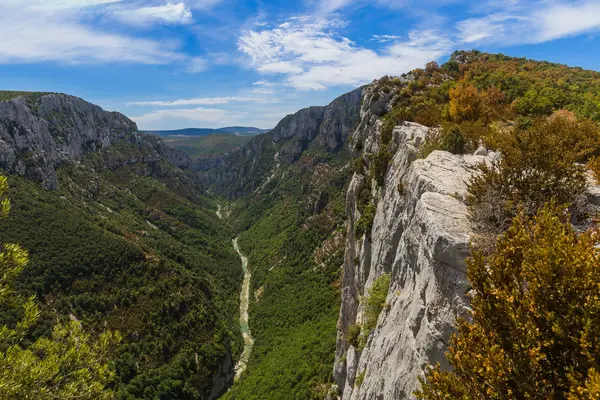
x,y
39,131
420,235
327,128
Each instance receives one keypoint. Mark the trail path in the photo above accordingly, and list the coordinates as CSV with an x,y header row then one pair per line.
x,y
240,367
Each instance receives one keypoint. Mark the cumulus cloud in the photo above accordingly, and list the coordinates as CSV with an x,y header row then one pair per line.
x,y
312,55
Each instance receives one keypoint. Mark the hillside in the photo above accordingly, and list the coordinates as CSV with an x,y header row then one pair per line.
x,y
401,216
357,220
121,239
208,147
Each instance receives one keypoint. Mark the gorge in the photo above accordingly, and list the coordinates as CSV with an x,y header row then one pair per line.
x,y
310,218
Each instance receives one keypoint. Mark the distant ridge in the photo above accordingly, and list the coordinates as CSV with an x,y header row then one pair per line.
x,y
234,130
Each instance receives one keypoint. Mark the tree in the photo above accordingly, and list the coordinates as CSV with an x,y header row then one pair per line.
x,y
69,365
535,330
465,103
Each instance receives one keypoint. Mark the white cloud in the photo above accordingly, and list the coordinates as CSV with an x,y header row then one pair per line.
x,y
313,56
279,67
189,102
188,117
564,20
170,13
519,23
385,38
30,35
196,65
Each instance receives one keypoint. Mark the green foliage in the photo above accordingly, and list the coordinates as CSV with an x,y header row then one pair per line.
x,y
365,222
68,365
474,90
535,318
126,251
450,139
353,335
360,378
379,163
375,301
537,165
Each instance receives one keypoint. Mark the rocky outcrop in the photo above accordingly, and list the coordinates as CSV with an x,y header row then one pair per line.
x,y
206,163
420,236
249,168
38,133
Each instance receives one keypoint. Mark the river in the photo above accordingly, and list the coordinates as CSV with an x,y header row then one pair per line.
x,y
240,367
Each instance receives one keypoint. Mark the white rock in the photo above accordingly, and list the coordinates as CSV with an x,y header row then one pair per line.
x,y
481,151
420,236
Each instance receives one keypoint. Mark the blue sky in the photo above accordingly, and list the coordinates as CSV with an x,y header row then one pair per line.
x,y
170,64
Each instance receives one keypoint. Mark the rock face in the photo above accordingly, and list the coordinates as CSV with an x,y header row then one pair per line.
x,y
327,127
37,134
420,237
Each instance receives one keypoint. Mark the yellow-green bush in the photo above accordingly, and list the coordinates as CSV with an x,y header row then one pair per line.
x,y
536,165
535,318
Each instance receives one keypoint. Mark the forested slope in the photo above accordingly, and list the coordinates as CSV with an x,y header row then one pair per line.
x,y
125,242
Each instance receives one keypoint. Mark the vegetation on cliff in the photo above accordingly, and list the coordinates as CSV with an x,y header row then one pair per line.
x,y
532,330
535,317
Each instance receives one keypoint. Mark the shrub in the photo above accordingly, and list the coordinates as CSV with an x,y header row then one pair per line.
x,y
594,166
450,138
358,165
535,318
353,335
465,103
360,378
380,162
537,165
375,302
365,222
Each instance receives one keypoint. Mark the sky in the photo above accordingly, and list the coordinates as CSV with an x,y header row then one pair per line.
x,y
172,64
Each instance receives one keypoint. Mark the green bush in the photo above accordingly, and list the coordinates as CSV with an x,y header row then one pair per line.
x,y
450,139
360,378
365,222
353,335
375,301
379,164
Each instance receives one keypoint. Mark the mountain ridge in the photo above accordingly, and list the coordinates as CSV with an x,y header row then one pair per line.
x,y
234,130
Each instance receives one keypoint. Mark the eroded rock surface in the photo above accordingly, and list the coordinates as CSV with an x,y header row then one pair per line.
x,y
420,236
37,133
